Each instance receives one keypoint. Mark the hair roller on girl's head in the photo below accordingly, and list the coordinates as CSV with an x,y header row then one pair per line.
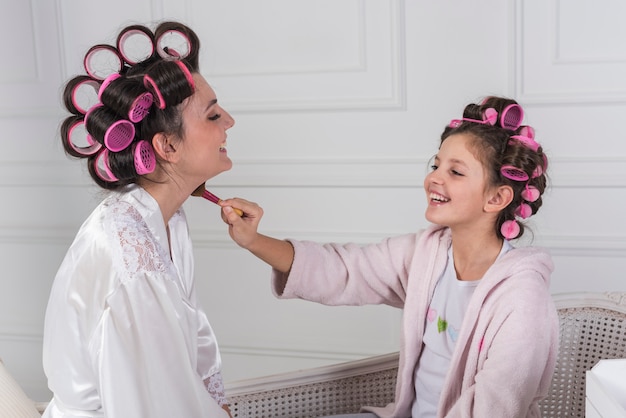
x,y
510,229
510,155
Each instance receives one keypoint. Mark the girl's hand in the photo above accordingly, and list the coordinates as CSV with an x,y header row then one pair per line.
x,y
242,229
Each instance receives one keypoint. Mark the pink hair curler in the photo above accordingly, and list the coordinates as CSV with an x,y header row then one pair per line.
x,y
136,44
80,140
173,44
188,75
102,61
539,170
140,107
526,137
510,229
85,95
149,83
530,193
91,109
119,135
524,211
112,77
490,116
145,160
513,173
511,117
525,141
101,166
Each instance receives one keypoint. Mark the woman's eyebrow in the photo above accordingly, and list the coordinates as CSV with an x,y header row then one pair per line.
x,y
211,104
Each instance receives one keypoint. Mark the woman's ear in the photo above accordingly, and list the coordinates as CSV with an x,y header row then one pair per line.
x,y
500,198
164,147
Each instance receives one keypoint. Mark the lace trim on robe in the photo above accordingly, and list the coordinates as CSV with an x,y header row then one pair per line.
x,y
215,386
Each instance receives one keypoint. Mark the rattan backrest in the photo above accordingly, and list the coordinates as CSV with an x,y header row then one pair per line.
x,y
337,389
592,326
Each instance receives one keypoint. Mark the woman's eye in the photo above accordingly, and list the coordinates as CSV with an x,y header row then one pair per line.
x,y
215,117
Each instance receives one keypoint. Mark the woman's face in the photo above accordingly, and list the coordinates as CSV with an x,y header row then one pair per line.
x,y
204,144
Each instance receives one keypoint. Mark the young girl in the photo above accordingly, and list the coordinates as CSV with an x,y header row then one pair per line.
x,y
479,332
124,335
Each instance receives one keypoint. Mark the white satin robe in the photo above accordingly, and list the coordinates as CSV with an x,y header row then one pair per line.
x,y
124,336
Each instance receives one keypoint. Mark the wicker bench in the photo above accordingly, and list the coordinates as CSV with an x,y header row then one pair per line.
x,y
592,327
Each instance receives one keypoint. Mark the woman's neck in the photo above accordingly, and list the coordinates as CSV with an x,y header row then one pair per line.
x,y
169,196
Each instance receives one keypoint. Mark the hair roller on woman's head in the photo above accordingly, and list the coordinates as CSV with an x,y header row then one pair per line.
x,y
76,141
106,127
170,82
177,41
80,93
128,97
135,44
130,93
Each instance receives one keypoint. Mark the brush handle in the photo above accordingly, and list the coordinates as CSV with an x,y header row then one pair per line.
x,y
210,196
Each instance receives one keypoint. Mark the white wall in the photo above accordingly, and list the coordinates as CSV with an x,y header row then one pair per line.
x,y
339,106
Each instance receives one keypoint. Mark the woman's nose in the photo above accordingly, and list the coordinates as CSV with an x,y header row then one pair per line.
x,y
230,121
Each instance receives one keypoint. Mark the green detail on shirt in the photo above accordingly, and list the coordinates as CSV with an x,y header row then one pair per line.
x,y
442,325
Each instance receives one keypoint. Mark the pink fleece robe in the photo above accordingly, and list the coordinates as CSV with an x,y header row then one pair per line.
x,y
506,350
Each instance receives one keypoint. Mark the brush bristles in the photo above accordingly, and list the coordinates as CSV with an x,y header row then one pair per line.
x,y
210,196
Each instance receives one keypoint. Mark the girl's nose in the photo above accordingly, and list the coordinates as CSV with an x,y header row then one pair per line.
x,y
432,177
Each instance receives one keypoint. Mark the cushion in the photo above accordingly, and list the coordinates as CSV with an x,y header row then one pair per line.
x,y
14,402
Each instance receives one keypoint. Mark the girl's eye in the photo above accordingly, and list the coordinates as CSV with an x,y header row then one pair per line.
x,y
215,117
433,167
456,173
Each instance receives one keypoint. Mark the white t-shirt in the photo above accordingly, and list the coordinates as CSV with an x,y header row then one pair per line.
x,y
443,322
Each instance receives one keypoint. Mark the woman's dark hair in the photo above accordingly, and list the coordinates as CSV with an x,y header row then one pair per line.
x,y
495,147
162,80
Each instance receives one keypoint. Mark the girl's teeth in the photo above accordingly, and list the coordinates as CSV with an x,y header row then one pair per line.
x,y
438,197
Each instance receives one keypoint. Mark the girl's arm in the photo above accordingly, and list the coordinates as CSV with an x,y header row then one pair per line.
x,y
244,231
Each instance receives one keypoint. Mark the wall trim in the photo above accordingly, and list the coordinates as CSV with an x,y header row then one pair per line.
x,y
395,172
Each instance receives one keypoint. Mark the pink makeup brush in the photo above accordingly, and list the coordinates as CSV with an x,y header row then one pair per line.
x,y
201,191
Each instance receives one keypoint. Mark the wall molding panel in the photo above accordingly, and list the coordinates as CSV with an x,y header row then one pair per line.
x,y
360,51
323,172
339,105
557,62
29,78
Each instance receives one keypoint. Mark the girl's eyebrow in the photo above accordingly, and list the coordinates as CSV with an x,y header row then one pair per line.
x,y
452,160
457,161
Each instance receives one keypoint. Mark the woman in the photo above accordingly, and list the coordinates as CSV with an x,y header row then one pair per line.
x,y
124,335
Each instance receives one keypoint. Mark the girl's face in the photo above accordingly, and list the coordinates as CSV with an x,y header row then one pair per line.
x,y
204,144
456,188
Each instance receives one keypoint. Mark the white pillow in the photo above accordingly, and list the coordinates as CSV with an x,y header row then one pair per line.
x,y
14,402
